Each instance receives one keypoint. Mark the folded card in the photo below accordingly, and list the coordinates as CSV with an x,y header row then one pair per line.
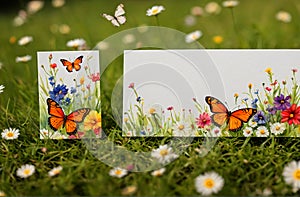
x,y
211,93
69,94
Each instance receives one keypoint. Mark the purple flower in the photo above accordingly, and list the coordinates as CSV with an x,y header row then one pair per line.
x,y
282,103
58,93
272,110
73,90
253,103
260,118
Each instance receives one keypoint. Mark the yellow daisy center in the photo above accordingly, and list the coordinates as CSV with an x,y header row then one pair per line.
x,y
181,127
10,134
155,11
26,171
262,132
277,128
118,172
209,183
297,175
291,115
248,131
163,152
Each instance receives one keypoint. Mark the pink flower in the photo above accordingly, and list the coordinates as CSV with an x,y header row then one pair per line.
x,y
170,108
97,131
295,70
80,134
72,137
95,77
203,120
131,85
88,86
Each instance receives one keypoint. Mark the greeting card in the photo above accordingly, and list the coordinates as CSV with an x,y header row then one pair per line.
x,y
217,93
69,94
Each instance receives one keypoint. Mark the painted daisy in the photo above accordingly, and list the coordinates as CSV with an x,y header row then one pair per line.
x,y
25,58
230,4
182,128
118,172
45,134
164,154
262,131
247,131
155,10
191,37
158,172
277,128
209,183
25,171
291,174
55,171
10,134
1,88
252,123
58,135
283,16
25,40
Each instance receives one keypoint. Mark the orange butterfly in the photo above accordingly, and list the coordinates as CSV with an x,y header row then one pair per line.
x,y
59,120
72,65
234,120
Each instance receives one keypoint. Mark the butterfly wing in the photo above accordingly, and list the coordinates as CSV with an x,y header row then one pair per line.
x,y
111,19
219,119
215,105
240,116
77,62
121,19
57,115
75,117
119,10
69,65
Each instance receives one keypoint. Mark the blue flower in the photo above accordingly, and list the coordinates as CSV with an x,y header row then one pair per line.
x,y
260,118
138,99
143,132
58,93
253,103
52,83
51,78
272,110
256,91
245,99
67,101
73,90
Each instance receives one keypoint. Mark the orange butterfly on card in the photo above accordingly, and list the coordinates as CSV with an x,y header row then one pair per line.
x,y
59,120
221,115
72,65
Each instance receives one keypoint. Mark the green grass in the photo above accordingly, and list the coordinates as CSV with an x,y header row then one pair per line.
x,y
245,164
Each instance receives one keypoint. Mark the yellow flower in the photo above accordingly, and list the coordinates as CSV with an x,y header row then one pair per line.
x,y
268,70
126,119
82,80
250,85
236,95
218,39
92,121
152,111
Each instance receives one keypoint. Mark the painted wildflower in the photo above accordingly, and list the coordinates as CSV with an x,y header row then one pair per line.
x,y
182,128
247,132
203,120
45,134
291,174
281,102
277,128
271,110
209,183
10,134
164,154
291,115
25,58
193,36
1,88
158,172
92,121
118,172
283,16
262,131
254,103
95,77
215,132
25,40
155,10
57,135
55,171
260,118
58,92
25,171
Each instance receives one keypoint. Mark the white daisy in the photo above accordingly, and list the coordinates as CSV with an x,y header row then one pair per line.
x,y
55,171
191,37
267,192
1,88
34,6
190,20
25,58
164,154
230,4
58,3
182,128
209,183
197,11
78,43
20,19
128,38
215,132
283,16
155,10
10,134
25,40
45,134
158,172
213,8
262,131
291,174
64,29
252,123
57,135
247,131
277,128
118,172
25,171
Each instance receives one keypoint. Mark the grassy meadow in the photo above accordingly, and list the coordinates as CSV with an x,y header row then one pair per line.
x,y
247,165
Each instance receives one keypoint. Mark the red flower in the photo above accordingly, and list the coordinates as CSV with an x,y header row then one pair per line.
x,y
203,120
95,77
275,83
170,108
53,65
291,115
268,89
